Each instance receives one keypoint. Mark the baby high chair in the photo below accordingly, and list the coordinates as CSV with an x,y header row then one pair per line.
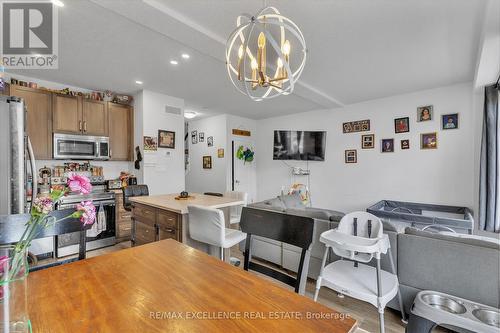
x,y
359,238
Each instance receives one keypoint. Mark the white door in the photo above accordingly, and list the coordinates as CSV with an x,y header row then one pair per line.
x,y
243,177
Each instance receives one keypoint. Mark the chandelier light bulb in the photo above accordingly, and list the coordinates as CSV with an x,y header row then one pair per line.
x,y
258,58
286,47
254,64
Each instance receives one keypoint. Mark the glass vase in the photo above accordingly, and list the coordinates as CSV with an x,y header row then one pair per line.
x,y
13,290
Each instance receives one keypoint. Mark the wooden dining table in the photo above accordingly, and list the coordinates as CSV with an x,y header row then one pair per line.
x,y
167,286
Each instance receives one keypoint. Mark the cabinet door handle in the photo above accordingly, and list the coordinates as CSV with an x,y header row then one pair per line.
x,y
85,126
169,230
157,232
80,125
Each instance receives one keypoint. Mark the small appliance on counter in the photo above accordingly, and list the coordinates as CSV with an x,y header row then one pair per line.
x,y
114,184
132,180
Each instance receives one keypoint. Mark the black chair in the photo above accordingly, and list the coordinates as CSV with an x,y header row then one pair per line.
x,y
12,228
214,194
133,191
290,229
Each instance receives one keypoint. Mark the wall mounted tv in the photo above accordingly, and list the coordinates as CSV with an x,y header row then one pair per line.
x,y
299,145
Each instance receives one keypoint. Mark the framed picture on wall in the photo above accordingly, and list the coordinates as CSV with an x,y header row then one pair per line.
x,y
405,144
194,137
428,140
166,139
207,162
150,143
387,145
201,137
402,125
220,153
368,141
449,121
210,141
351,156
425,113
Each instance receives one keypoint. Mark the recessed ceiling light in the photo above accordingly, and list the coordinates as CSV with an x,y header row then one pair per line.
x,y
139,82
185,56
174,62
189,114
58,3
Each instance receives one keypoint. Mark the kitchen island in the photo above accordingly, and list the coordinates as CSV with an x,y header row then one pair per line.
x,y
158,217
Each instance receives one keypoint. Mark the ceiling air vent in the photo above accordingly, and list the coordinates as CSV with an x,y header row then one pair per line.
x,y
173,110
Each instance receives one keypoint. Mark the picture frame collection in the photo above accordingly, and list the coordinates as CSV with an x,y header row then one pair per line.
x,y
428,140
199,137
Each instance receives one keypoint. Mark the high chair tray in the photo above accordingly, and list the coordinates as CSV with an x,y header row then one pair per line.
x,y
343,241
359,282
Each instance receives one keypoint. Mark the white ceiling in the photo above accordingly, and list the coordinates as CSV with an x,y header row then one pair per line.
x,y
357,49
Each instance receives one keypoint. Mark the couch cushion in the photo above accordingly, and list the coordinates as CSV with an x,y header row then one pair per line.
x,y
448,237
292,201
271,204
466,268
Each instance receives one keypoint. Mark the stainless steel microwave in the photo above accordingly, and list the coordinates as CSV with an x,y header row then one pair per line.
x,y
80,147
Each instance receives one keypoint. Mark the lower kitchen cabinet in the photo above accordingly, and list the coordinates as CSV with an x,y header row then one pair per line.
x,y
123,219
151,224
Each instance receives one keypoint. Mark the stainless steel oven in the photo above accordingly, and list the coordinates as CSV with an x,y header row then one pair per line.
x,y
80,147
68,244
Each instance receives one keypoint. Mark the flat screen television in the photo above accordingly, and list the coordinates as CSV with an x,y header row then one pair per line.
x,y
299,145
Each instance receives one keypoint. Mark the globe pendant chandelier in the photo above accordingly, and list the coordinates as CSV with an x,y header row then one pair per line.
x,y
259,58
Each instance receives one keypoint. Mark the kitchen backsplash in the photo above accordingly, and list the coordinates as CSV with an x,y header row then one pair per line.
x,y
111,169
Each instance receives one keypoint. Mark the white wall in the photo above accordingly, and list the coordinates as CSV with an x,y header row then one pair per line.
x,y
163,170
218,179
201,180
235,122
444,175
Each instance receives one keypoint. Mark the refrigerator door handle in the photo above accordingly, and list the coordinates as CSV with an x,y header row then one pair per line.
x,y
34,175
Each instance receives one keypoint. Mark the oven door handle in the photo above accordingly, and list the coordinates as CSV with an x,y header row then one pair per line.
x,y
96,203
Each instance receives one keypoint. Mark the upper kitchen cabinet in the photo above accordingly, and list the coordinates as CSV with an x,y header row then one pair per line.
x,y
95,117
38,119
120,131
67,114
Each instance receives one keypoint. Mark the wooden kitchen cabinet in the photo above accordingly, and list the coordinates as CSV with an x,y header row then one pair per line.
x,y
77,115
153,224
121,132
123,219
38,119
95,117
67,114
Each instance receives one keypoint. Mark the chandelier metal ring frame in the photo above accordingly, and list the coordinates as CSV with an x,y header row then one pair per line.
x,y
244,31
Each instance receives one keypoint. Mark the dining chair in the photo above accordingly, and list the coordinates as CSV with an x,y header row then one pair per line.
x,y
12,228
214,194
207,225
133,191
235,211
291,229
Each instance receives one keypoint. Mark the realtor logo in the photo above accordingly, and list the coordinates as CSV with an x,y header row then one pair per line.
x,y
29,35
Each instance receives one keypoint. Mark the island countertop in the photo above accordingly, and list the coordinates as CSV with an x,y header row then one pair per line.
x,y
168,202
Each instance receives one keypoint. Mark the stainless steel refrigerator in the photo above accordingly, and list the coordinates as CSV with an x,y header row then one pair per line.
x,y
17,160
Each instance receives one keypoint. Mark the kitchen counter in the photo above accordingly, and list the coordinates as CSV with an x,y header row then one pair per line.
x,y
168,202
158,217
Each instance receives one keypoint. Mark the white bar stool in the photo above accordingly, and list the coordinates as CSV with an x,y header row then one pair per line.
x,y
359,238
207,225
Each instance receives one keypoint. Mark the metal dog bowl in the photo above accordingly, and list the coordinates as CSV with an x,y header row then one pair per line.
x,y
444,303
489,317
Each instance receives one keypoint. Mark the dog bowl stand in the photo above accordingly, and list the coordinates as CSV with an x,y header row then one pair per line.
x,y
432,308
